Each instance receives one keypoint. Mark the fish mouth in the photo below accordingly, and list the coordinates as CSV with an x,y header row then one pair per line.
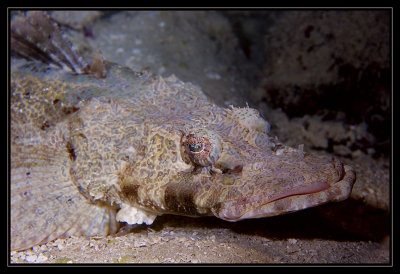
x,y
301,197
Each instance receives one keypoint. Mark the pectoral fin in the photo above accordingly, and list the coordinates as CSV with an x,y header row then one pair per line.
x,y
45,203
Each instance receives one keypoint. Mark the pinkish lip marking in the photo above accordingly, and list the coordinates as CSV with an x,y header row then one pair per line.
x,y
316,187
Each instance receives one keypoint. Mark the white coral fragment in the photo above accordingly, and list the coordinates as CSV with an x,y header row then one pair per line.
x,y
134,215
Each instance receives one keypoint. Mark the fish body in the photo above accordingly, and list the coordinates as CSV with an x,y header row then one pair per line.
x,y
89,153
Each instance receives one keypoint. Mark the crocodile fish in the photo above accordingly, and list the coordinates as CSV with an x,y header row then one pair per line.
x,y
91,151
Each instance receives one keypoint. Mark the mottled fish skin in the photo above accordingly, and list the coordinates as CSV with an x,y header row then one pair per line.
x,y
88,153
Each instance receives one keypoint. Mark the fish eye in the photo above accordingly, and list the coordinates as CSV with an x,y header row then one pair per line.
x,y
201,148
196,148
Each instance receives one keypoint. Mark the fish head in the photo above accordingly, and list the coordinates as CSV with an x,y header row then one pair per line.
x,y
232,169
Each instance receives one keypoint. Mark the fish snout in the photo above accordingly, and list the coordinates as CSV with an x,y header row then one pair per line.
x,y
291,189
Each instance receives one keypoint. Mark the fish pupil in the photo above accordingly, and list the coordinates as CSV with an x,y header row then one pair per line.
x,y
196,147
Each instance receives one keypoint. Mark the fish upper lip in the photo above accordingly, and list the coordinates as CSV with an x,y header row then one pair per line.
x,y
346,177
308,189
